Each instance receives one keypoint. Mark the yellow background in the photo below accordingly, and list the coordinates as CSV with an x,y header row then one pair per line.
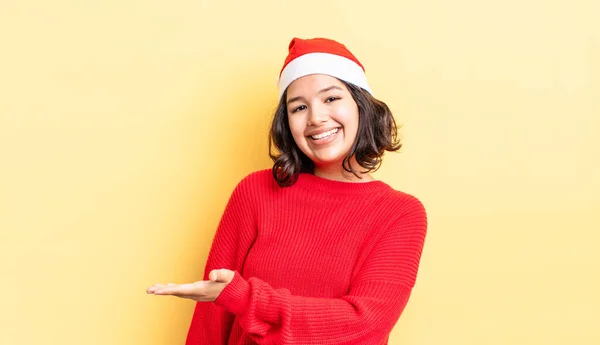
x,y
124,126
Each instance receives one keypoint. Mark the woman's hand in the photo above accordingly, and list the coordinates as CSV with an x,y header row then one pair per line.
x,y
202,291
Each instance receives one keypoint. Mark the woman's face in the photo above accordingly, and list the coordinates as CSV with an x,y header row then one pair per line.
x,y
323,118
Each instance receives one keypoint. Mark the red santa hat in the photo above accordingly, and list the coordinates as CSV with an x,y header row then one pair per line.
x,y
321,56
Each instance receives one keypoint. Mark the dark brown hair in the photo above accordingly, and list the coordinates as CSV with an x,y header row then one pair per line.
x,y
377,133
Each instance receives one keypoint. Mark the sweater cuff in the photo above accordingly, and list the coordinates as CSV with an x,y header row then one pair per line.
x,y
235,296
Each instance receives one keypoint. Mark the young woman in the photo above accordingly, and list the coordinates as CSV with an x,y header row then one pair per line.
x,y
314,250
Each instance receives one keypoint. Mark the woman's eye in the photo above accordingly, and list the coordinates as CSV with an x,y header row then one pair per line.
x,y
331,99
302,107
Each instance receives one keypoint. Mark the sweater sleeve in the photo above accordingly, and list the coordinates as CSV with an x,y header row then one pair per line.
x,y
368,312
235,234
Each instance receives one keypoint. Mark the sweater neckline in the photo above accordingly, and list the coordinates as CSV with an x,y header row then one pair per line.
x,y
310,181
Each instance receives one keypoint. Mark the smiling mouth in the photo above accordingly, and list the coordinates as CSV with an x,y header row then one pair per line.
x,y
324,135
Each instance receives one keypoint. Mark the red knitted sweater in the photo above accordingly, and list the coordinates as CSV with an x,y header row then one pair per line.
x,y
321,262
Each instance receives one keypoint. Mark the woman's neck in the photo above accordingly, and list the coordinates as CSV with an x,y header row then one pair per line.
x,y
337,173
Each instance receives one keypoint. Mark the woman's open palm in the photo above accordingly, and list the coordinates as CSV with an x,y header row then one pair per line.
x,y
201,291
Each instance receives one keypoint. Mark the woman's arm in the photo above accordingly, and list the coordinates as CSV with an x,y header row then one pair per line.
x,y
365,315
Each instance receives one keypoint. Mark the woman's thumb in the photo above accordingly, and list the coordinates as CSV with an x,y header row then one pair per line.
x,y
222,275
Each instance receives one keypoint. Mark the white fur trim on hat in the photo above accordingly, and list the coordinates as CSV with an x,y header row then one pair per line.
x,y
323,63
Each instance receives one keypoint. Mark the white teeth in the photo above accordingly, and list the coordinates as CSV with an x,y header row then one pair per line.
x,y
325,135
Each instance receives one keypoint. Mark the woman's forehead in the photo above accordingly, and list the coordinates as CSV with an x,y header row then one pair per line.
x,y
313,84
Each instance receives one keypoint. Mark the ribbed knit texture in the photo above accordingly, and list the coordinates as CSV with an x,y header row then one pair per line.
x,y
321,262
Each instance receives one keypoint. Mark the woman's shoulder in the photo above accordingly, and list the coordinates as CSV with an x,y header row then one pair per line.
x,y
404,201
258,179
403,212
258,176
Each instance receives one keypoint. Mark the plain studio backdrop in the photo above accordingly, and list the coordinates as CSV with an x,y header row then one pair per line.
x,y
125,125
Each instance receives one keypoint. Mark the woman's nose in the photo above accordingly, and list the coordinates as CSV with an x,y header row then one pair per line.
x,y
317,115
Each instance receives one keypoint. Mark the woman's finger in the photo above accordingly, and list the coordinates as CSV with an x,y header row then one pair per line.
x,y
201,291
178,290
154,288
222,276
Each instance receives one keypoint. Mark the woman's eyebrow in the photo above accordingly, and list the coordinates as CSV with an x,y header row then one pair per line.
x,y
330,88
